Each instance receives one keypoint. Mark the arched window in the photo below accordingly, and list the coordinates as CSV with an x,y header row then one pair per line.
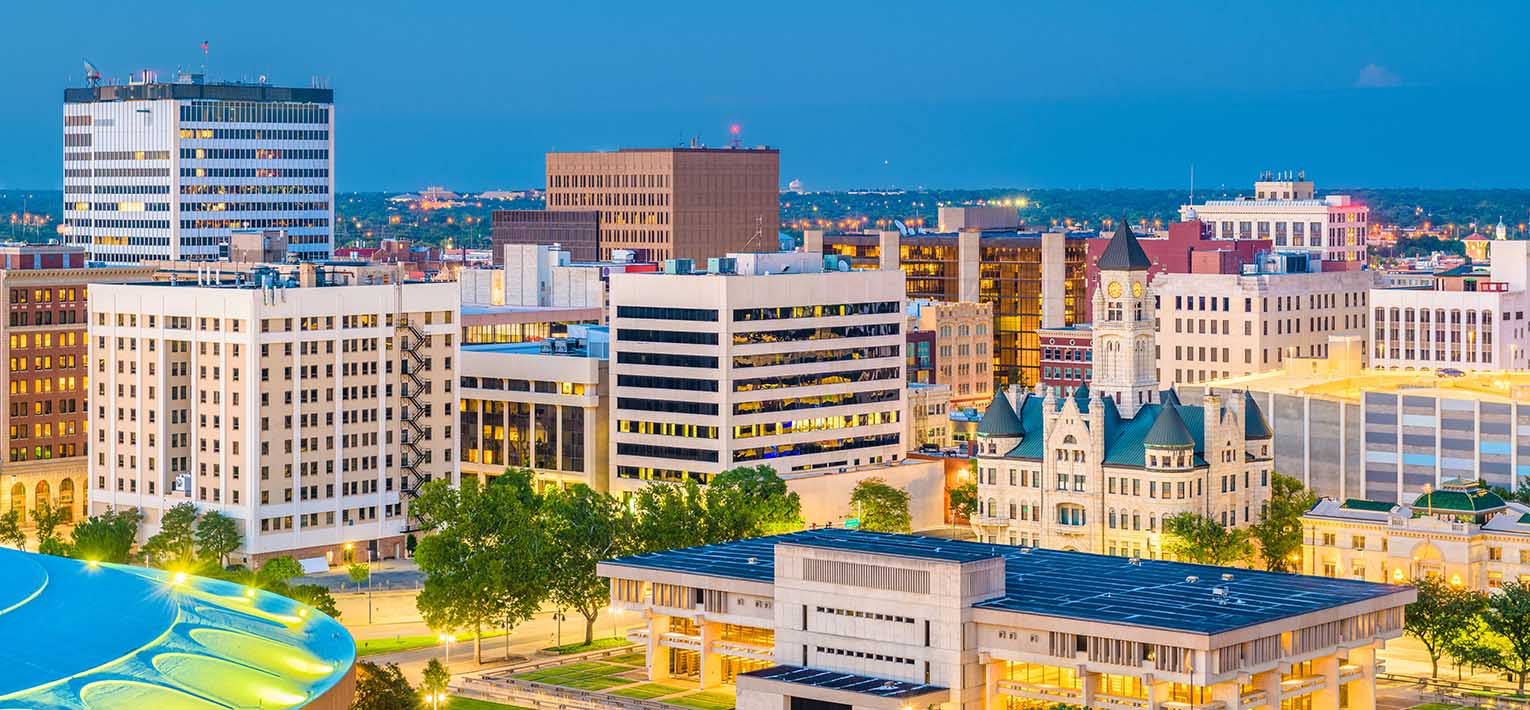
x,y
19,498
993,508
66,498
44,494
1112,517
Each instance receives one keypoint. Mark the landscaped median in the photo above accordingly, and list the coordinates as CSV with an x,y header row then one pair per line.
x,y
625,676
394,644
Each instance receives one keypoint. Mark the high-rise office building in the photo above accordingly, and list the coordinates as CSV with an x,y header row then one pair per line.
x,y
308,404
1285,208
42,343
779,359
156,170
673,203
1023,274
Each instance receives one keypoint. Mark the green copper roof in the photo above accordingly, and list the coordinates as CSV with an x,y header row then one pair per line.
x,y
1169,430
1000,419
1474,501
1255,426
1363,504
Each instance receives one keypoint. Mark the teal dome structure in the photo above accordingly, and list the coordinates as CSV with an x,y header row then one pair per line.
x,y
117,637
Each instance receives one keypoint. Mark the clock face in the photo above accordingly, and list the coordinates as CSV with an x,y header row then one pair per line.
x,y
1137,289
1114,289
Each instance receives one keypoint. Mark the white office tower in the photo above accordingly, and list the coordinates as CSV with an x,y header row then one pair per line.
x,y
156,170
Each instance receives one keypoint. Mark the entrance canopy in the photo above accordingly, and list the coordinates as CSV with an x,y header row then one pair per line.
x,y
841,688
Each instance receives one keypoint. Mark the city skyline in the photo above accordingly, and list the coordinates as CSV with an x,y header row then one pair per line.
x,y
995,96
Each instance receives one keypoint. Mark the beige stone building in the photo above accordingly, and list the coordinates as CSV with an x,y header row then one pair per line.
x,y
1460,533
1099,469
963,346
305,404
837,620
668,203
929,416
1229,319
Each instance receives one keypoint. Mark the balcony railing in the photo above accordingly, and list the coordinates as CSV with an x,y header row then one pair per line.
x,y
637,635
745,650
1300,686
677,640
1037,691
1119,702
1257,697
1174,705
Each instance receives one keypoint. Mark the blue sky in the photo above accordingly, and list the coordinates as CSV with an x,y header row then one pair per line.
x,y
856,94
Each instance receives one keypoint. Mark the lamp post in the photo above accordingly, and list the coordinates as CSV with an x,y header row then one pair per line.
x,y
611,610
447,640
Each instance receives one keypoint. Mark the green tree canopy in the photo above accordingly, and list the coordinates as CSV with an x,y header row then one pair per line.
x,y
585,527
1504,638
47,517
107,537
1441,617
750,501
487,561
963,500
1192,537
1279,530
435,678
175,543
881,507
215,537
10,530
670,516
278,571
383,688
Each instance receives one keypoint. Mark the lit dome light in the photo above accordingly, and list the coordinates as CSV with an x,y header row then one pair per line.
x,y
179,578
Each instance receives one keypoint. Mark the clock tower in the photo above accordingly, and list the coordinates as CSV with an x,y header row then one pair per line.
x,y
1125,362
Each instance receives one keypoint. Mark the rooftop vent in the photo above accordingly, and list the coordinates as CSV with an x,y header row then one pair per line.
x,y
1227,577
1192,579
1134,561
752,560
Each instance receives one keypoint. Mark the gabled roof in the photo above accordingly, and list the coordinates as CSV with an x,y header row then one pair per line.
x,y
1255,426
1169,430
1123,253
1000,418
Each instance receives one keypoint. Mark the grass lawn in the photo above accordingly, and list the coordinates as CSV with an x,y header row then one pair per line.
x,y
461,703
636,660
372,647
649,690
705,700
588,675
1435,706
596,645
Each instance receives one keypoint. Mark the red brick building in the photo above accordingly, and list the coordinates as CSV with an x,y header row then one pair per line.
x,y
1067,356
1172,253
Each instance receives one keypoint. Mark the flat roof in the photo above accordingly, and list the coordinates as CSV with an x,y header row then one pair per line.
x,y
116,637
1148,593
1477,386
849,682
225,91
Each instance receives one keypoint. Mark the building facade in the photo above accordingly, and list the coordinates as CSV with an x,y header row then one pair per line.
x,y
156,171
307,406
540,406
929,416
1462,534
1286,210
43,344
1467,321
836,619
1067,357
1021,274
961,355
1100,467
673,203
1170,249
575,231
765,358
1348,431
1228,318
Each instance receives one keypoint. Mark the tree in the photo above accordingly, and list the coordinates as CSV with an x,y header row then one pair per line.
x,y
107,537
963,500
175,543
585,527
881,507
1279,530
435,678
1192,537
314,595
359,572
669,516
1506,641
216,536
1441,615
278,571
47,517
486,561
750,501
383,688
10,530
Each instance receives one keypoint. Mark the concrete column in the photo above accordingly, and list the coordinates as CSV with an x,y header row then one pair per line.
x,y
1327,697
1053,279
1230,695
1362,690
969,260
1269,682
1089,682
812,241
658,656
711,662
993,672
888,244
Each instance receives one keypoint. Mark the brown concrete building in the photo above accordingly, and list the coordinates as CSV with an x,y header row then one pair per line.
x,y
668,203
962,347
43,346
578,232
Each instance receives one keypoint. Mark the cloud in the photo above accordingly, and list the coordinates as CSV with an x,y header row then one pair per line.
x,y
1375,76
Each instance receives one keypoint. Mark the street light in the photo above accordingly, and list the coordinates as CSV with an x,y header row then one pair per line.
x,y
435,700
611,610
447,639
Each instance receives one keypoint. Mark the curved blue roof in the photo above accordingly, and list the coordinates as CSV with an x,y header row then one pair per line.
x,y
115,637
